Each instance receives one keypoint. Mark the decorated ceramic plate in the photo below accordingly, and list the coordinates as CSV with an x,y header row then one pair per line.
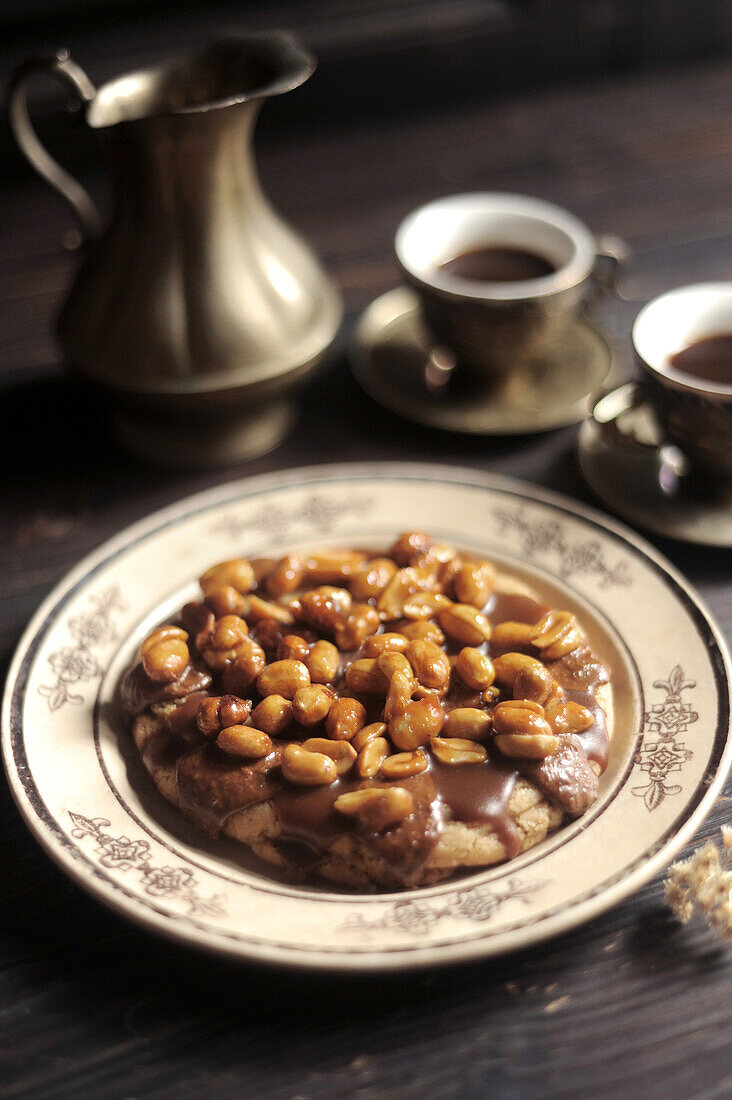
x,y
85,796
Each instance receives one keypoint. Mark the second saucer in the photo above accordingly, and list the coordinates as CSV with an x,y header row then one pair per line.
x,y
397,363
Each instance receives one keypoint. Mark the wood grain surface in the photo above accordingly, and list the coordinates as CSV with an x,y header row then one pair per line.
x,y
632,1005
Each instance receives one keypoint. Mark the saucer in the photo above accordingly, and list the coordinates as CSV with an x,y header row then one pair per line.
x,y
395,361
624,460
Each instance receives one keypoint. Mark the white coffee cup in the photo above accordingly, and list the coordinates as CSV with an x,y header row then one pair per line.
x,y
495,326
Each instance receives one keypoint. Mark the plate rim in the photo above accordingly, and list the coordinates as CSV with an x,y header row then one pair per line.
x,y
375,960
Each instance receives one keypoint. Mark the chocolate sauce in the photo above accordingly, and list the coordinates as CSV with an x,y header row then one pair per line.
x,y
496,264
480,795
709,359
138,691
212,786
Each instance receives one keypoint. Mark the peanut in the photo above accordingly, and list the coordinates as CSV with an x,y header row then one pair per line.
x,y
371,757
341,753
474,668
308,769
238,573
244,741
468,723
376,807
404,765
464,624
322,662
473,583
365,678
311,704
419,721
557,634
457,750
369,579
273,714
431,665
345,718
283,678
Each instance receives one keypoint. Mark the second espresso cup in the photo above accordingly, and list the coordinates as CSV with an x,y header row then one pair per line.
x,y
694,404
539,260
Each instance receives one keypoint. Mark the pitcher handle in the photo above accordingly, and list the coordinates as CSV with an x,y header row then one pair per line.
x,y
57,64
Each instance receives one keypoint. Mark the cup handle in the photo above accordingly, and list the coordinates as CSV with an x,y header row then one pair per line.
x,y
610,404
611,260
57,64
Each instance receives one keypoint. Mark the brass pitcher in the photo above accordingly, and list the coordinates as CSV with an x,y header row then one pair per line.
x,y
196,308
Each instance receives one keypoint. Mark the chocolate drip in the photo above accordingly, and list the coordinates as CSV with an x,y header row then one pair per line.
x,y
212,786
480,795
138,691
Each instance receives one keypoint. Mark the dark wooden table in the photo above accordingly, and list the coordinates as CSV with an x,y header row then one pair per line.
x,y
632,1004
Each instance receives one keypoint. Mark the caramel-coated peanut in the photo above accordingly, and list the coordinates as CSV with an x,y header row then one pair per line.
x,y
381,643
534,682
341,753
531,746
285,577
239,675
520,716
345,718
332,566
322,662
365,678
458,750
323,607
473,583
464,624
508,666
273,715
420,720
404,765
401,687
238,573
308,769
258,610
418,628
225,600
369,579
474,668
557,634
391,661
376,807
568,717
405,583
218,712
162,634
430,664
311,704
409,545
424,605
165,654
244,741
468,723
355,626
511,635
293,648
283,678
372,756
368,733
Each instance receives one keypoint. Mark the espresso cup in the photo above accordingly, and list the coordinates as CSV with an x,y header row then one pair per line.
x,y
695,412
495,326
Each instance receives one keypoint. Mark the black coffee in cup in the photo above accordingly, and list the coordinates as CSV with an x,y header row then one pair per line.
x,y
709,359
495,264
